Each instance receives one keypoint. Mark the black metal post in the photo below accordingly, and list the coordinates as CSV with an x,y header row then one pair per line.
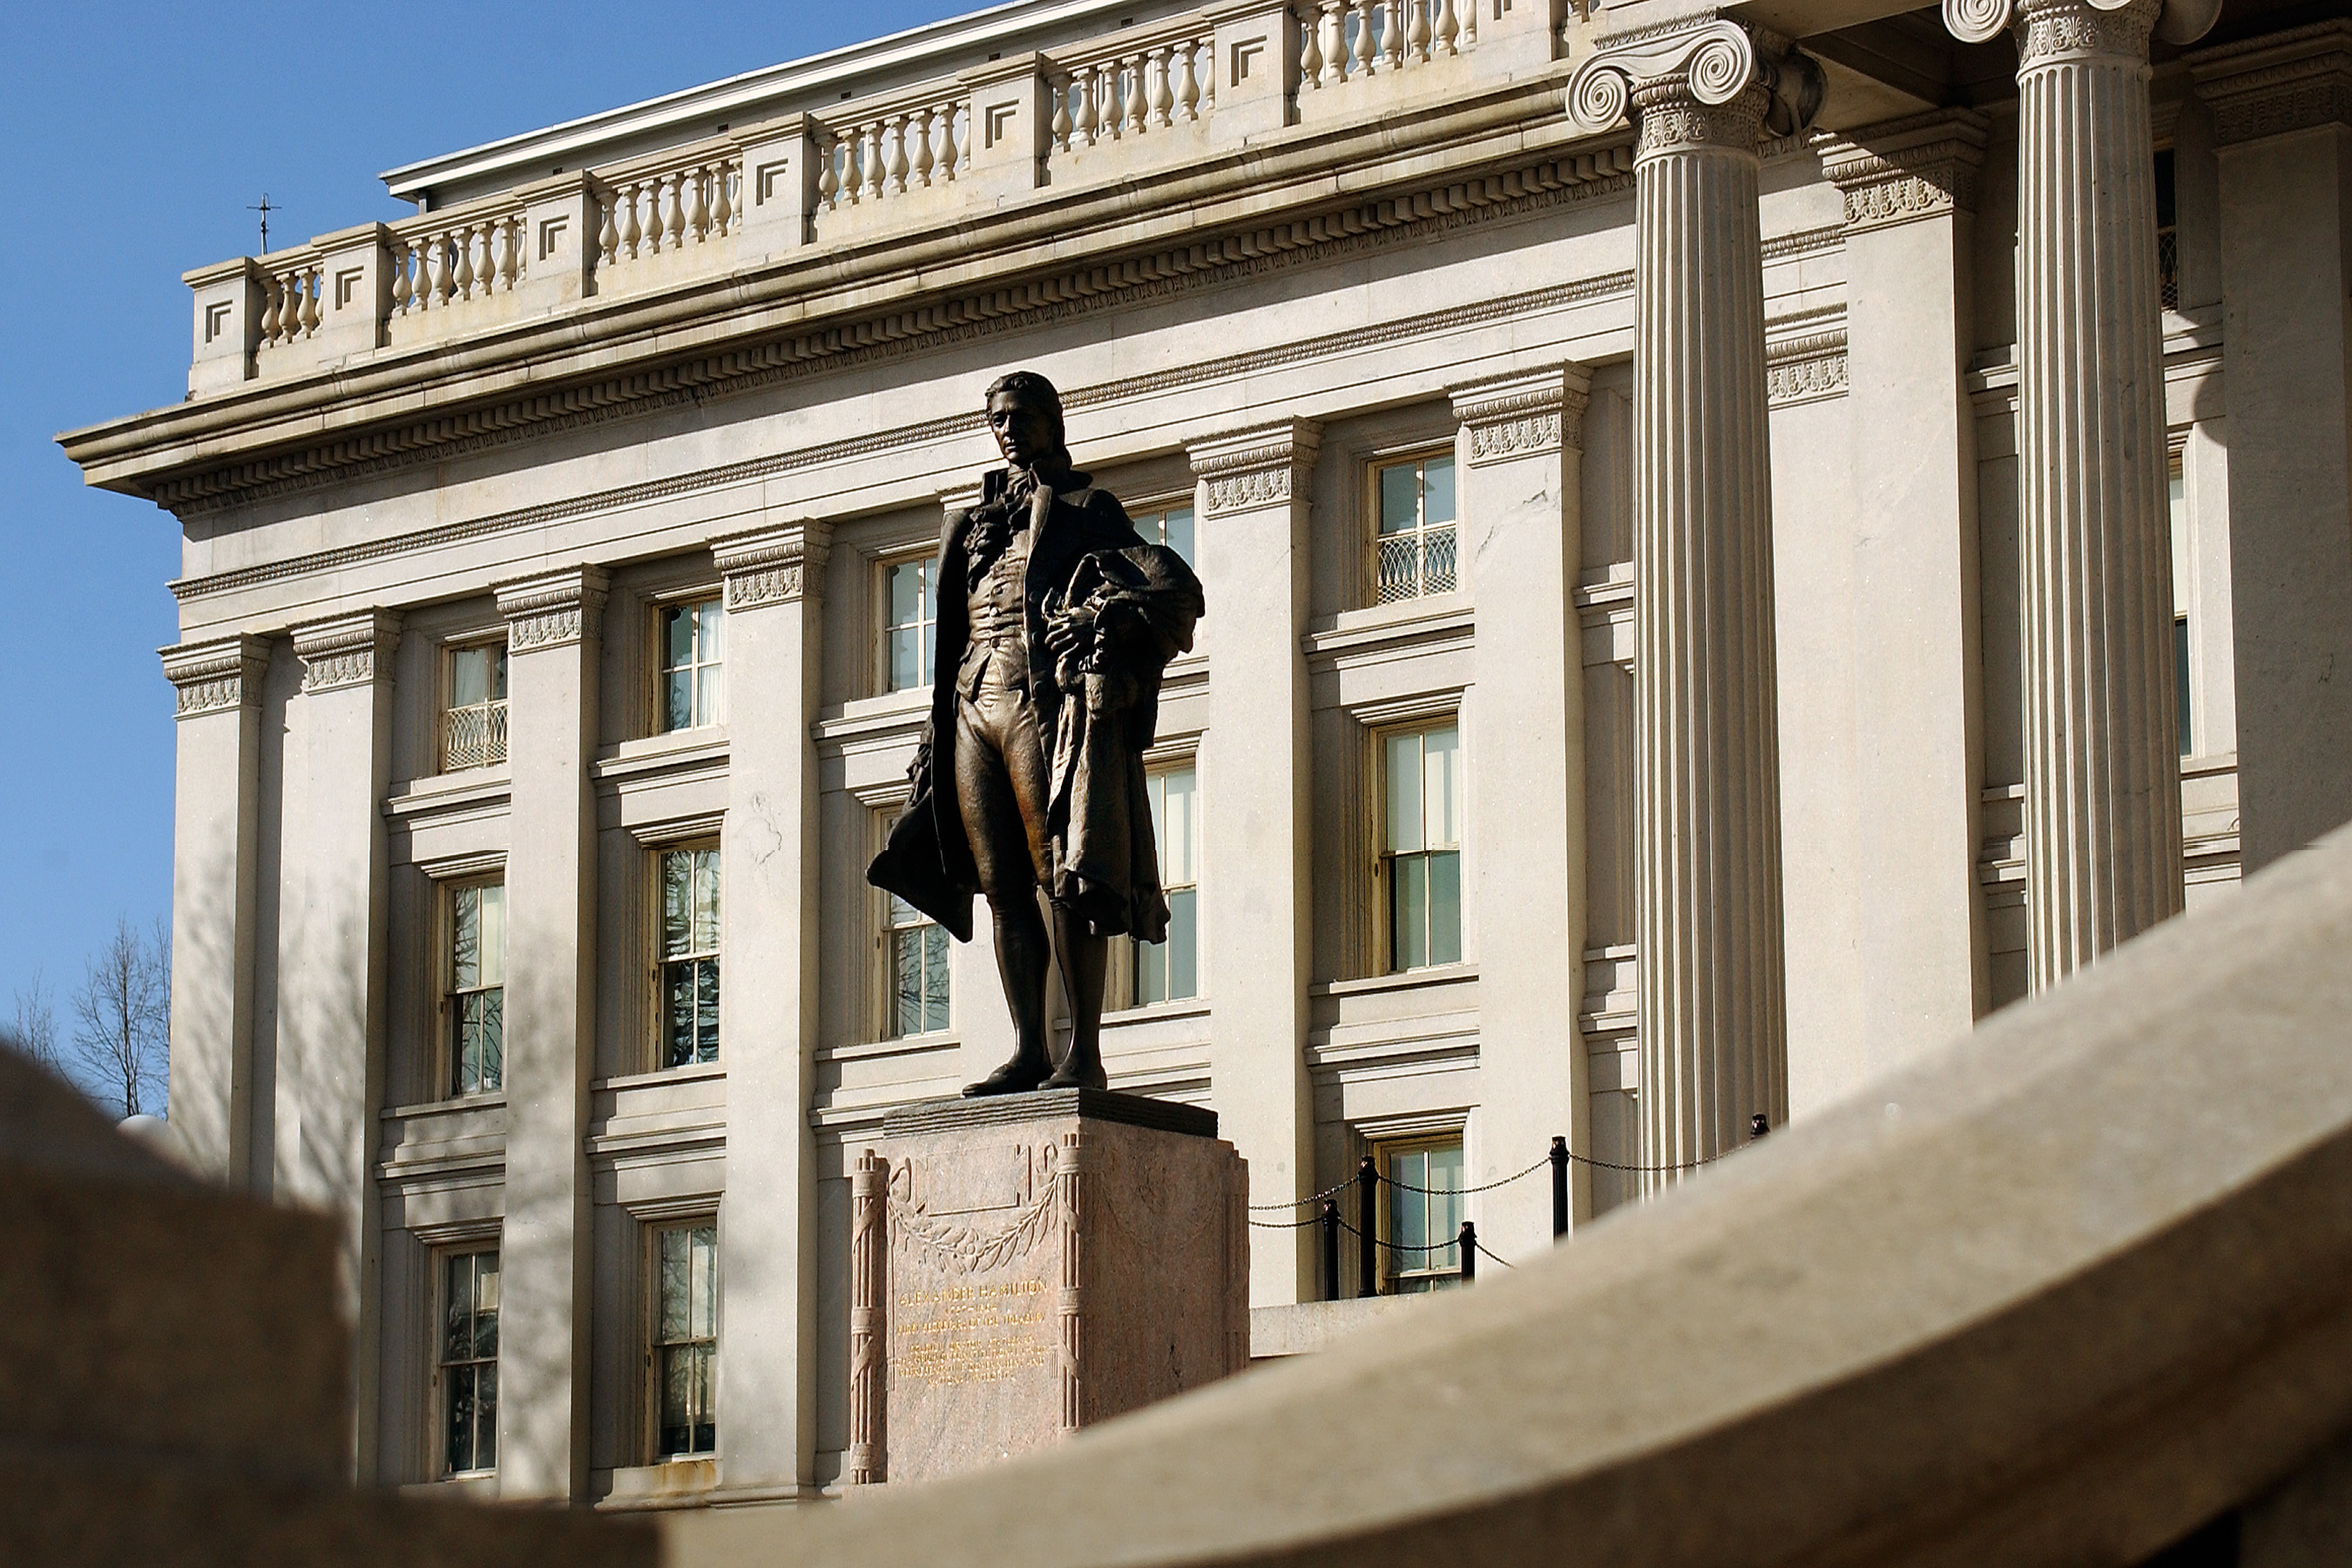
x,y
1469,1244
1367,1226
1758,1126
1330,1250
1558,1188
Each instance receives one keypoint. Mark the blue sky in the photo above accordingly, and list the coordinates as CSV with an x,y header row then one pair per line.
x,y
132,139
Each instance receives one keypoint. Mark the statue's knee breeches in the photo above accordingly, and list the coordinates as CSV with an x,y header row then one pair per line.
x,y
1002,792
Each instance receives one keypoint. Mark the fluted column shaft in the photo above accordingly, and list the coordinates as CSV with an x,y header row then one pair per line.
x,y
2103,779
1706,790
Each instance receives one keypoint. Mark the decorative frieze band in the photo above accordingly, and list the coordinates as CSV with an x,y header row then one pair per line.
x,y
353,651
1925,167
212,676
1699,82
553,611
2286,81
1253,469
1806,369
773,565
1521,415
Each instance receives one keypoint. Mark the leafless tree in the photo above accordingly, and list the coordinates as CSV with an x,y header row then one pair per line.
x,y
31,1025
123,1017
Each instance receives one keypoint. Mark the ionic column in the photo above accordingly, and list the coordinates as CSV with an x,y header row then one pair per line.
x,y
214,843
2102,747
768,1019
331,956
1710,951
2282,129
1521,456
1256,886
553,637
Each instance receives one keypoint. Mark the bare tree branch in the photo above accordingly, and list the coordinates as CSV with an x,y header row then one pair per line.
x,y
123,1017
31,1025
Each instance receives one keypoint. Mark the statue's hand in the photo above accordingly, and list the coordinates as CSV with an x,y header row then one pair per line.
x,y
1070,632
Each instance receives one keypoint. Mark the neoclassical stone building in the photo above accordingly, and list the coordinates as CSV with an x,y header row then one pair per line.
x,y
1739,538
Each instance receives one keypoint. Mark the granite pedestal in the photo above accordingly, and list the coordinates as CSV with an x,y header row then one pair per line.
x,y
1026,1265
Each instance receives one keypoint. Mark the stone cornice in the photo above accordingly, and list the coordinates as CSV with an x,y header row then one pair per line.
x,y
2286,81
1523,415
1247,469
1923,166
552,611
213,676
815,312
773,565
355,650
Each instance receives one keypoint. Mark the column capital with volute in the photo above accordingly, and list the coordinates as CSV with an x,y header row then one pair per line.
x,y
2057,29
1698,82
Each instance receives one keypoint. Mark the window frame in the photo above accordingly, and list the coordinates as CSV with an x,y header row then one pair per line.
x,y
884,565
1374,467
446,703
440,1385
448,1053
652,1228
1127,971
1160,507
1392,1272
658,606
886,928
657,939
1385,859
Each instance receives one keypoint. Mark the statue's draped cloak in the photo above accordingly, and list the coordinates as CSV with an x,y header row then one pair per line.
x,y
1096,714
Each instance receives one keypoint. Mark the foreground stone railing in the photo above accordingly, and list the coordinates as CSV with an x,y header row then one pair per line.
x,y
1171,91
2060,1295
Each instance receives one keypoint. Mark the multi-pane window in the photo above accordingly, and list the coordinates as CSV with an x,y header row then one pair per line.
x,y
910,618
1167,971
2184,710
1170,526
470,1361
686,1339
693,649
475,1001
1424,1215
1414,553
1422,774
474,721
918,956
689,956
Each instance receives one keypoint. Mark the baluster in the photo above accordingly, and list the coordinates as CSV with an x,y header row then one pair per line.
x,y
1138,94
675,228
1163,96
1063,123
878,171
314,280
899,165
723,213
653,244
1366,47
1447,27
921,161
1335,43
400,291
1089,122
438,256
271,293
828,183
1188,89
1392,36
461,275
1206,49
950,155
697,220
1470,25
632,236
510,252
608,230
1417,35
1311,54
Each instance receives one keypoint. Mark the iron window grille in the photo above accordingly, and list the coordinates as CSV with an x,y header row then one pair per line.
x,y
1413,549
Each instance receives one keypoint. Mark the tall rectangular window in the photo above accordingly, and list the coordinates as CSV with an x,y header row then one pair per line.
x,y
1414,551
1422,773
1167,971
2183,708
693,651
689,956
918,956
909,625
470,1361
1424,1215
1170,526
474,721
475,1004
686,1339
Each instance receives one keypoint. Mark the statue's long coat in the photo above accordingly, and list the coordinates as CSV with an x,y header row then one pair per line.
x,y
1102,825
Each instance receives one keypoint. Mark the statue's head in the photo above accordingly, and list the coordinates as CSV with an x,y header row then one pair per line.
x,y
1025,413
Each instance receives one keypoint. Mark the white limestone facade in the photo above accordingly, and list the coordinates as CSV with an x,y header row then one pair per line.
x,y
1896,527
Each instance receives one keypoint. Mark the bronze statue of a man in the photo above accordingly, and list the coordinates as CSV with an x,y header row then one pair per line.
x,y
1055,619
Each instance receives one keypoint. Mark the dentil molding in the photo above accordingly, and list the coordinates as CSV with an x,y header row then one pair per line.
x,y
2269,86
1698,82
553,611
1253,469
353,651
1522,415
213,676
1923,166
773,565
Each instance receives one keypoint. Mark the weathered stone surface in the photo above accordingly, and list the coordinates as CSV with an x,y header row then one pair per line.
x,y
1053,1261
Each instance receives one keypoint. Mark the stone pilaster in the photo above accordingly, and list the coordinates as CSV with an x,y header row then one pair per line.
x,y
331,955
553,638
1255,885
2102,750
214,845
1711,973
1523,720
1909,189
768,1022
2283,125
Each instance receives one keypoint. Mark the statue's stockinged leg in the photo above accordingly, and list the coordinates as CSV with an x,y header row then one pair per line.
x,y
1083,956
